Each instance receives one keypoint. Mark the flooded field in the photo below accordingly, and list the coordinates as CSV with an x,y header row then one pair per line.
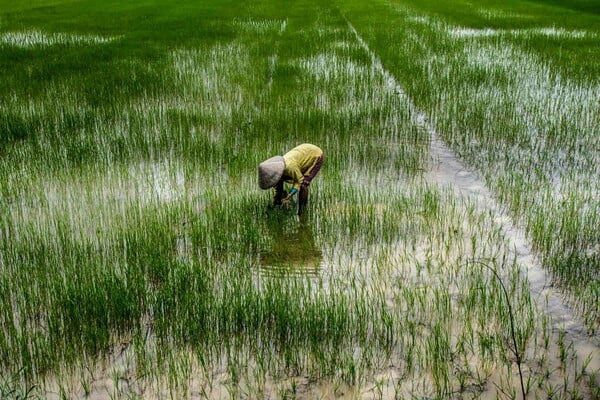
x,y
449,248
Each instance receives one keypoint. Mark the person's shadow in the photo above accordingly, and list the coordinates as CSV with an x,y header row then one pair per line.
x,y
291,248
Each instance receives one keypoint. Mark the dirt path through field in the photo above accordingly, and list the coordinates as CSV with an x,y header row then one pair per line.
x,y
449,172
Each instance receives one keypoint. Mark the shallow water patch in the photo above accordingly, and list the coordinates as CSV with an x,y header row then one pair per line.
x,y
551,32
36,39
291,250
260,26
494,14
158,182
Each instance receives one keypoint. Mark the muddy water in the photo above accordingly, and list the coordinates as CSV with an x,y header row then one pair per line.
x,y
449,172
292,251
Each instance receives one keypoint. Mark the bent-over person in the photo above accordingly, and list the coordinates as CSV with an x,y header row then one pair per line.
x,y
298,167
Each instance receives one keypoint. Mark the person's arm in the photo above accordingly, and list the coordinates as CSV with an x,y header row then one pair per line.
x,y
297,178
291,194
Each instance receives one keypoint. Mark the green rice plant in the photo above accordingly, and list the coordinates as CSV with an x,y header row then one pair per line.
x,y
10,389
521,116
136,245
516,348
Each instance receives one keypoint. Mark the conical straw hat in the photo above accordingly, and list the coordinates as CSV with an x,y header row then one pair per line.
x,y
270,172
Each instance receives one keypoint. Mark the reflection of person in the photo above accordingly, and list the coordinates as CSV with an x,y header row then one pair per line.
x,y
298,167
292,248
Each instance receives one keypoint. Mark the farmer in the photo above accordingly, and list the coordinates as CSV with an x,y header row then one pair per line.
x,y
297,167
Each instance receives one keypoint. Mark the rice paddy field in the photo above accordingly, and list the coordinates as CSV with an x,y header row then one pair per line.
x,y
450,248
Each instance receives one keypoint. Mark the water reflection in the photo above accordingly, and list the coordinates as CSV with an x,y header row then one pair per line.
x,y
292,248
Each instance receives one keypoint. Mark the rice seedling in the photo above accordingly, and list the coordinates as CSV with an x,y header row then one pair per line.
x,y
515,143
139,259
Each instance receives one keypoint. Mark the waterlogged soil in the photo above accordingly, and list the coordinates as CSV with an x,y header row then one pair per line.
x,y
449,172
294,251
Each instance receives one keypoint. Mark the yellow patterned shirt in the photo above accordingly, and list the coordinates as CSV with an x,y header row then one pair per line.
x,y
299,162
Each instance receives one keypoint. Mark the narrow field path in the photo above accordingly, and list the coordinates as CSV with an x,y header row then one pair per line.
x,y
449,172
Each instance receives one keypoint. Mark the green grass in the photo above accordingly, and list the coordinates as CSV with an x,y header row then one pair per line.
x,y
137,249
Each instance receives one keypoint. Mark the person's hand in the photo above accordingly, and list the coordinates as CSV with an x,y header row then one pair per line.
x,y
286,200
